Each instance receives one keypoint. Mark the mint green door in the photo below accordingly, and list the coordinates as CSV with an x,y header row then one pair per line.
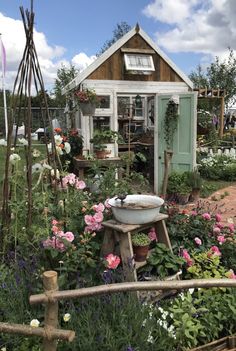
x,y
184,141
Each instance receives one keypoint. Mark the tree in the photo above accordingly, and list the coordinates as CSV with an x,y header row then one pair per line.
x,y
64,76
121,29
199,78
220,74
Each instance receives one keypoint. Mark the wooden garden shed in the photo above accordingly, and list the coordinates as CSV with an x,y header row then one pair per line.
x,y
134,80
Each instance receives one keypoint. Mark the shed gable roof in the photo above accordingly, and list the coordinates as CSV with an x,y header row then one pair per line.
x,y
117,45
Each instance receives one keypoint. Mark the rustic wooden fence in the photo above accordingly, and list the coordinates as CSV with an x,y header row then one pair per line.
x,y
52,295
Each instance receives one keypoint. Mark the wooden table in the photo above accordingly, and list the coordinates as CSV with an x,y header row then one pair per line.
x,y
81,165
121,233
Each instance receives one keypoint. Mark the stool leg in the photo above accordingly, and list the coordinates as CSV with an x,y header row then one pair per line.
x,y
108,244
127,255
162,234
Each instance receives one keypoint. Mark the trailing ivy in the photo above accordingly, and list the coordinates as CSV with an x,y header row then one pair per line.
x,y
170,122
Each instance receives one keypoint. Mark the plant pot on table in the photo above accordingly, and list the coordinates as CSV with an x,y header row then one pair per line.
x,y
140,253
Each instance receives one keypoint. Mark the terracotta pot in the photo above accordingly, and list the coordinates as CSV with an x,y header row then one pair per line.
x,y
87,108
101,154
140,253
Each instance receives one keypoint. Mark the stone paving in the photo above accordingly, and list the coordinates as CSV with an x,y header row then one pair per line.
x,y
225,199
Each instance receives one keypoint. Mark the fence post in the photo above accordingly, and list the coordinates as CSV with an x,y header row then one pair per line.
x,y
51,309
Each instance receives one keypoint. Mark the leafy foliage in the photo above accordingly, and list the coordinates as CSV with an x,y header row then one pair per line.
x,y
121,29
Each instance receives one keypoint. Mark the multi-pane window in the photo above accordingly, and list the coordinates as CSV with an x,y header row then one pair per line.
x,y
139,62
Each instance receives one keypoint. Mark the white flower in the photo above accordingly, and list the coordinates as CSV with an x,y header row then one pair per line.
x,y
66,317
14,158
144,323
37,168
58,139
191,291
3,142
34,323
36,153
23,141
59,150
150,338
4,349
46,166
50,147
67,147
55,174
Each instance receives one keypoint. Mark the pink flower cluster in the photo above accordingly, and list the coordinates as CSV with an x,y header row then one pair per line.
x,y
72,180
206,216
94,222
152,234
58,239
187,257
112,261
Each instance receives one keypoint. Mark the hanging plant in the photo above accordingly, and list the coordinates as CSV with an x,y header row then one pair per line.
x,y
170,122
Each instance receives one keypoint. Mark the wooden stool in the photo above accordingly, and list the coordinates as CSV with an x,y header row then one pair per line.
x,y
121,233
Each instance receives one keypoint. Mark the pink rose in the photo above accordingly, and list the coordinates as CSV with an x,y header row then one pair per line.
x,y
69,236
206,216
99,208
218,217
215,250
152,234
89,219
221,239
54,222
80,184
231,227
216,230
194,213
185,254
112,261
98,217
55,229
198,241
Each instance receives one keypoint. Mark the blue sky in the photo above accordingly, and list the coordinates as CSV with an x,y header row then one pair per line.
x,y
190,32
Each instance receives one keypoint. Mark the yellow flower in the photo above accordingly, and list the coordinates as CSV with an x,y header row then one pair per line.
x,y
66,317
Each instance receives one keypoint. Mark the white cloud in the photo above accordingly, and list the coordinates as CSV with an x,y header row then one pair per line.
x,y
199,26
81,60
50,56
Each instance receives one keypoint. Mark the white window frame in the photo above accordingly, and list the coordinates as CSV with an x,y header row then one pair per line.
x,y
137,67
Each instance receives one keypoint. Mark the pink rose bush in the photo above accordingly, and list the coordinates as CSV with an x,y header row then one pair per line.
x,y
73,181
59,239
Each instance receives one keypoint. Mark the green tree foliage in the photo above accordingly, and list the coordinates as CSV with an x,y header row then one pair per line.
x,y
64,76
220,74
121,29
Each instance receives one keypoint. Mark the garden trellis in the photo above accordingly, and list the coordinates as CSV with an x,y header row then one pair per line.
x,y
28,75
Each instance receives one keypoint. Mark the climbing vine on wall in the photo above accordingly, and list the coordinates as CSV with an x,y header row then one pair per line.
x,y
170,122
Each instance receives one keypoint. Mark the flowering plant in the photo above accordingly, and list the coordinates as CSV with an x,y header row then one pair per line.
x,y
87,95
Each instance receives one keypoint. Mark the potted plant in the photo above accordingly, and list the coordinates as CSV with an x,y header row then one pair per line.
x,y
87,101
162,263
141,244
103,142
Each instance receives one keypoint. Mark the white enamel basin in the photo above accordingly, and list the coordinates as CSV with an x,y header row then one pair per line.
x,y
136,209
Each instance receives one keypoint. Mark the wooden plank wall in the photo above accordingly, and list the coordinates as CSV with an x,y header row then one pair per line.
x,y
113,68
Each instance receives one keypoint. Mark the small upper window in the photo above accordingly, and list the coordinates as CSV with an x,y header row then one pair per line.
x,y
138,62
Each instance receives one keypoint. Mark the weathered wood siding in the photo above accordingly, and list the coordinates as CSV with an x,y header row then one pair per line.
x,y
113,68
